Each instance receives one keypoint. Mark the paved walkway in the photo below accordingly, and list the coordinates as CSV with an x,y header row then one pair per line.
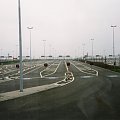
x,y
27,91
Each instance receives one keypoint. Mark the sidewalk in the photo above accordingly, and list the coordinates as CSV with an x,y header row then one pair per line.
x,y
27,91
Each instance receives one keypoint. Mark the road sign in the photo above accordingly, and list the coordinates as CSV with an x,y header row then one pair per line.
x,y
45,64
17,66
68,63
91,63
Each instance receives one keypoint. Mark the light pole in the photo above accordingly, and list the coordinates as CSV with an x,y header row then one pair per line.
x,y
44,47
50,49
113,26
92,47
119,59
16,51
1,51
83,49
20,47
30,28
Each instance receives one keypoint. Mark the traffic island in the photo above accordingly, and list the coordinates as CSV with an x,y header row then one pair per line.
x,y
68,79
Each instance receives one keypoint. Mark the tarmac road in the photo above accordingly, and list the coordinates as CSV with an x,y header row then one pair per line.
x,y
88,97
33,79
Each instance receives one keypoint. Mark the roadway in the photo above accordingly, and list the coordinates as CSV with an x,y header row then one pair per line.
x,y
93,95
36,76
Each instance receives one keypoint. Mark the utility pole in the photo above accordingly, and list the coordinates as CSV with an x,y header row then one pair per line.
x,y
113,26
20,47
30,28
92,47
44,48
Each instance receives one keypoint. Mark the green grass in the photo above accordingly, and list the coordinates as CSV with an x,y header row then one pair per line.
x,y
8,62
106,66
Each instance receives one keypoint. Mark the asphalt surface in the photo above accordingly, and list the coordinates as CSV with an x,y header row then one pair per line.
x,y
88,97
32,79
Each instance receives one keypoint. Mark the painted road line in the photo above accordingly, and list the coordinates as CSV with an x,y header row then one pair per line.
x,y
91,69
26,72
86,76
54,71
51,78
28,91
16,77
50,73
86,72
113,76
32,70
66,67
86,67
17,74
5,80
44,70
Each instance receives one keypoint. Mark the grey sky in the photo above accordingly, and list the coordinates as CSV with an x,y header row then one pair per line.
x,y
64,24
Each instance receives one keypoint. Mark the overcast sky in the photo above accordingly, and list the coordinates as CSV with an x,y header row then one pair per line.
x,y
65,25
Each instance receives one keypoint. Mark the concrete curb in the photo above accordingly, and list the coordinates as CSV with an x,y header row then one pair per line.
x,y
28,91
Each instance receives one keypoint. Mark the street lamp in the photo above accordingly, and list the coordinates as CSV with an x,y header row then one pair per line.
x,y
83,49
30,28
20,47
16,51
113,26
92,47
44,47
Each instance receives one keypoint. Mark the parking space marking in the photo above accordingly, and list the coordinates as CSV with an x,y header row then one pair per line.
x,y
86,76
86,72
113,76
50,73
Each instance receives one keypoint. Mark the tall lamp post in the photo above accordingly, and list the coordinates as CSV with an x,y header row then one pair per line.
x,y
113,26
44,47
83,49
20,47
92,47
30,28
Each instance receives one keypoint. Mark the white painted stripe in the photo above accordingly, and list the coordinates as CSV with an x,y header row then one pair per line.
x,y
26,78
50,73
54,71
43,71
51,77
66,67
86,76
28,91
112,76
32,70
86,72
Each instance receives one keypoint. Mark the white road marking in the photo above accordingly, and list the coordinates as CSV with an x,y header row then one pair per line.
x,y
32,70
51,77
112,76
86,76
28,91
86,72
66,67
50,73
26,78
